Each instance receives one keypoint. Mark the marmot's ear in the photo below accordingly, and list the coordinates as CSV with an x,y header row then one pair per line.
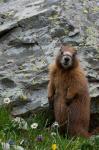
x,y
75,52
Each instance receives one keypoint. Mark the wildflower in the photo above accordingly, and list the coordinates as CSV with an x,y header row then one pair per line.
x,y
55,125
16,147
17,119
11,142
5,146
39,138
7,100
54,146
22,124
34,125
53,133
23,98
93,138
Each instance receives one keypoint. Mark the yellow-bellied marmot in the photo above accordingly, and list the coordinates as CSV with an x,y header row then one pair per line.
x,y
68,93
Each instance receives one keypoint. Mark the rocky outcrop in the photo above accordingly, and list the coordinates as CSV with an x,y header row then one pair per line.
x,y
30,34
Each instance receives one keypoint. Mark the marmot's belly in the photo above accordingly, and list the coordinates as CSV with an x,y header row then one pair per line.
x,y
61,111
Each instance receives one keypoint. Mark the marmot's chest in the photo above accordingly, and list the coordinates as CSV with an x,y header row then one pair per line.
x,y
62,83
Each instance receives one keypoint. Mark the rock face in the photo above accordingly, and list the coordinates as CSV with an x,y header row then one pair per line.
x,y
30,33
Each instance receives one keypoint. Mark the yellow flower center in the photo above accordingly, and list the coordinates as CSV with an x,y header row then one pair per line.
x,y
54,147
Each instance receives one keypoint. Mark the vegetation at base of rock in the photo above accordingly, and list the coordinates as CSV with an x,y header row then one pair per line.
x,y
1,0
39,138
31,33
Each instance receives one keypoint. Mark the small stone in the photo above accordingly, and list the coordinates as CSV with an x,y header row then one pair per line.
x,y
74,33
10,61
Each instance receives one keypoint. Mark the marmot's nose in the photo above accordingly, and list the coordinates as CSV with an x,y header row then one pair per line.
x,y
66,59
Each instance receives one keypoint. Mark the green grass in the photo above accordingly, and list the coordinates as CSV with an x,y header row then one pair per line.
x,y
10,131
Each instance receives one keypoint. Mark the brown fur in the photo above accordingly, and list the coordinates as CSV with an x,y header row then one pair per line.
x,y
68,92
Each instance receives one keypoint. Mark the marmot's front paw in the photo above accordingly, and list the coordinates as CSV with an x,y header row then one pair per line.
x,y
70,94
69,102
51,102
69,97
51,105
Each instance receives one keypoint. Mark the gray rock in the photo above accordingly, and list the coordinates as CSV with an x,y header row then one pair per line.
x,y
25,109
97,23
51,1
89,57
72,40
57,32
74,33
7,27
30,36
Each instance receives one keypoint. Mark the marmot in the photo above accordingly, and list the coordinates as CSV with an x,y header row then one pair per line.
x,y
68,93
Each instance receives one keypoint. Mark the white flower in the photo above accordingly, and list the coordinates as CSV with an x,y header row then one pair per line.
x,y
53,133
55,125
16,147
5,146
7,100
21,122
94,137
34,125
17,119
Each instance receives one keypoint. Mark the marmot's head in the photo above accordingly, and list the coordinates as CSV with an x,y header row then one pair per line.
x,y
67,57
